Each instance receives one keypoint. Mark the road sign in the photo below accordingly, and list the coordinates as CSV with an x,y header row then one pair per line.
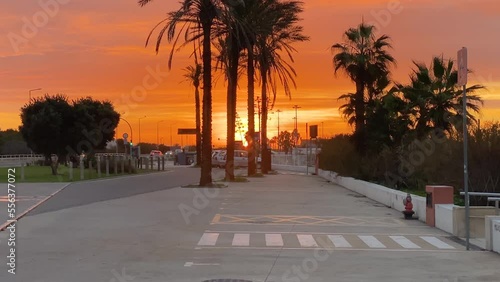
x,y
186,131
462,67
125,135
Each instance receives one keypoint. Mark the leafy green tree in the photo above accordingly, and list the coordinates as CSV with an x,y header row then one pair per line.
x,y
285,141
364,59
52,125
45,124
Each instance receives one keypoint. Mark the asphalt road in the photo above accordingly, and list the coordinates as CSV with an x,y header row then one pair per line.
x,y
84,193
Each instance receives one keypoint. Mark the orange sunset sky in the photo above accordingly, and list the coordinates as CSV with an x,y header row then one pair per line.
x,y
96,48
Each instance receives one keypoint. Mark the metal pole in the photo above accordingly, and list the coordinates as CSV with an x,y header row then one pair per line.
x,y
466,176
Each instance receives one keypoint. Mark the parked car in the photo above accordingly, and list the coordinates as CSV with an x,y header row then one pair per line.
x,y
155,153
240,158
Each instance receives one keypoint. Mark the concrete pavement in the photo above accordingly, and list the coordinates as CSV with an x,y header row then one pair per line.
x,y
275,228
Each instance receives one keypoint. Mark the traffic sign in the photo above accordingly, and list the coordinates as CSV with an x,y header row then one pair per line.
x,y
462,67
125,135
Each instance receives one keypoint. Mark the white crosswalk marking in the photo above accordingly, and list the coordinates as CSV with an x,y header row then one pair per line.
x,y
339,241
437,243
208,239
404,242
241,240
385,242
372,242
274,240
307,240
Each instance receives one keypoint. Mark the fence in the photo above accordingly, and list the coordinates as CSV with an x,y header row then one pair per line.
x,y
18,160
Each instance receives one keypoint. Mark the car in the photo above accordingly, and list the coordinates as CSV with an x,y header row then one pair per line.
x,y
155,153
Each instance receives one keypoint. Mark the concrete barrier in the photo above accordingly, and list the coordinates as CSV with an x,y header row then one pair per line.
x,y
294,168
389,197
492,233
444,217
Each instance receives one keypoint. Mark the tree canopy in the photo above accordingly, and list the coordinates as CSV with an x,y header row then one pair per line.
x,y
55,125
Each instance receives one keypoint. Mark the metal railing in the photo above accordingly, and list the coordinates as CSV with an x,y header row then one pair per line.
x,y
492,197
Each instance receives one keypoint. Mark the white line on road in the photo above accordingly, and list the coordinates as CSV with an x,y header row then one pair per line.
x,y
437,243
404,242
339,241
307,240
190,263
372,242
274,240
208,239
241,240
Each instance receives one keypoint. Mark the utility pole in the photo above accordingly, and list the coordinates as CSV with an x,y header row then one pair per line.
x,y
296,107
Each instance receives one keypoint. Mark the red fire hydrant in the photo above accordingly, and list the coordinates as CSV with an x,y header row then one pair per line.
x,y
408,212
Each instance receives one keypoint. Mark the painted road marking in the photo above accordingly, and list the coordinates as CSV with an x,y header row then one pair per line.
x,y
307,241
437,243
404,242
371,242
339,241
274,240
241,240
208,239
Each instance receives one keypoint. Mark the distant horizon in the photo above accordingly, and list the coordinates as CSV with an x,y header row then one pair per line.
x,y
82,51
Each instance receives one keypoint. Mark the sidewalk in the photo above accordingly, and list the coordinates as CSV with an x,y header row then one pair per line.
x,y
28,195
262,230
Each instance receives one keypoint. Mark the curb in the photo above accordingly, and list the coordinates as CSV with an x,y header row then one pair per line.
x,y
9,222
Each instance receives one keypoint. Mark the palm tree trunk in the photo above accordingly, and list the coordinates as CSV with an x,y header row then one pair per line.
x,y
360,116
251,113
206,162
266,160
231,111
198,125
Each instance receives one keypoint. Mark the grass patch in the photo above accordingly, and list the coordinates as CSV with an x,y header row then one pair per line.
x,y
33,174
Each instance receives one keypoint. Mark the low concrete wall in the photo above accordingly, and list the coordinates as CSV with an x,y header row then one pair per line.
x,y
492,233
444,216
477,221
294,168
389,197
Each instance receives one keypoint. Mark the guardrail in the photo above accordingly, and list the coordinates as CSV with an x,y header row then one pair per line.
x,y
21,156
492,197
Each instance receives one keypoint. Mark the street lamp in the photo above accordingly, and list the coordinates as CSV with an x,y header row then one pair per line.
x,y
158,133
36,89
140,128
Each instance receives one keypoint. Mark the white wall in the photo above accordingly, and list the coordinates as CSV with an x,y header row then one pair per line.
x,y
444,217
389,197
496,235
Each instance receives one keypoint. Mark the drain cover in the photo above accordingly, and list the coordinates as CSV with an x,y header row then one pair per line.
x,y
227,280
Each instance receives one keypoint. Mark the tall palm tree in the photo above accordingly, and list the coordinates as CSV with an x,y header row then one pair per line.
x,y
194,75
363,58
197,19
435,99
273,68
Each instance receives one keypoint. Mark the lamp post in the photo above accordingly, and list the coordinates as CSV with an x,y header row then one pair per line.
x,y
36,89
140,128
158,133
131,136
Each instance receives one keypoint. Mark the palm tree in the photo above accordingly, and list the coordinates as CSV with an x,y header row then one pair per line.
x,y
198,19
364,59
435,100
194,75
273,67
